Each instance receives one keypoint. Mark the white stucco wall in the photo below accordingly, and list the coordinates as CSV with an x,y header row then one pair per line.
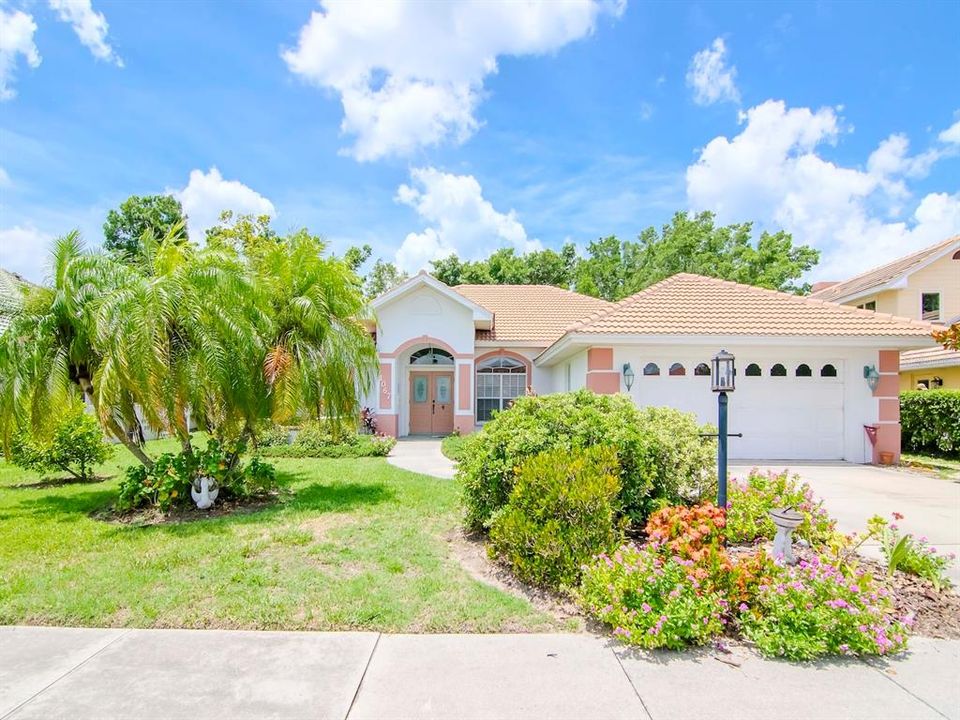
x,y
425,311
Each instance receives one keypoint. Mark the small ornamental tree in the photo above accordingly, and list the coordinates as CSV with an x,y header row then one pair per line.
x,y
75,445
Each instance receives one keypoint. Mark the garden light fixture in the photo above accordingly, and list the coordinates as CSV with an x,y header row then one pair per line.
x,y
872,377
628,376
722,382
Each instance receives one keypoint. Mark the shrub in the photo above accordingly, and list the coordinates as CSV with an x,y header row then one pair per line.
x,y
272,435
350,445
930,420
750,500
651,600
168,482
74,444
814,609
561,512
693,533
452,446
661,455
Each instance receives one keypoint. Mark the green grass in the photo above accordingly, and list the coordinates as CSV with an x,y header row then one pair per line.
x,y
451,446
352,544
944,467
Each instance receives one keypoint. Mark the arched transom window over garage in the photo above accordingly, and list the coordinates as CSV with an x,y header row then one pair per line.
x,y
499,380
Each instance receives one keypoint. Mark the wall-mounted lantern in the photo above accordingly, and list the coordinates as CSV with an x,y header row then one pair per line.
x,y
628,376
872,377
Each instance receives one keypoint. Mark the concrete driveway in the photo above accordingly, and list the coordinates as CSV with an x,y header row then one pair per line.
x,y
854,493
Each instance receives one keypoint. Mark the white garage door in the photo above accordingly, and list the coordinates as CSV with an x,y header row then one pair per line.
x,y
782,416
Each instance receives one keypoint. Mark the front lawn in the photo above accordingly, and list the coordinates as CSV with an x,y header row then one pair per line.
x,y
351,544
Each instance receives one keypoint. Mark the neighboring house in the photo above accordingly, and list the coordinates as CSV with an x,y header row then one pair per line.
x,y
922,286
12,289
450,357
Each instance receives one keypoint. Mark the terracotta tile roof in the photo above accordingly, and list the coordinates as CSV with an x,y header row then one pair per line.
x,y
885,274
687,304
929,358
538,314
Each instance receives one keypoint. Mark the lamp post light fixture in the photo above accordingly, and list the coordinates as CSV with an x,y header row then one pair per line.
x,y
628,376
722,381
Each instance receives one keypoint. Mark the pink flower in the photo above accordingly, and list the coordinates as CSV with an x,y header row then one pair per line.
x,y
742,607
646,608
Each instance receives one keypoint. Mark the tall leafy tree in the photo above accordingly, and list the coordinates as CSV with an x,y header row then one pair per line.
x,y
383,276
140,215
506,267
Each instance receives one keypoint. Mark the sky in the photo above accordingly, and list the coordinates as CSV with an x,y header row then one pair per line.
x,y
428,128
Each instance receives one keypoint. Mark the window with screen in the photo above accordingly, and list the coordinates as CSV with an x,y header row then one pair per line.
x,y
499,381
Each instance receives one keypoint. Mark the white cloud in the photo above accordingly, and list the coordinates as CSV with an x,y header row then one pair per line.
x,y
461,220
951,134
710,77
89,25
24,250
410,74
772,173
16,38
5,181
207,195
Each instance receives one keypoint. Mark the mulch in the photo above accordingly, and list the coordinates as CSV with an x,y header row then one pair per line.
x,y
187,513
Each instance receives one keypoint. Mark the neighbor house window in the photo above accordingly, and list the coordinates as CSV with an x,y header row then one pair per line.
x,y
872,305
431,356
753,370
651,369
778,370
930,307
702,369
678,369
499,381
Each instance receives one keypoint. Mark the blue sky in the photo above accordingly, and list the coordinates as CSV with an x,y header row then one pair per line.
x,y
424,129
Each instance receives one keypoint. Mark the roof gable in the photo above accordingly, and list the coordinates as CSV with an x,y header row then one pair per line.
x,y
889,275
482,316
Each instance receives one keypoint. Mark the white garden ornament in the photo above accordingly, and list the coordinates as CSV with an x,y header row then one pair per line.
x,y
786,520
204,491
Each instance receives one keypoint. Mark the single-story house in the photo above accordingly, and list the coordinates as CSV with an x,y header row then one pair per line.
x,y
810,374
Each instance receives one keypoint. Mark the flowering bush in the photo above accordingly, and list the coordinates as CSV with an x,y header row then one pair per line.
x,y
750,500
909,554
562,511
693,533
651,600
814,609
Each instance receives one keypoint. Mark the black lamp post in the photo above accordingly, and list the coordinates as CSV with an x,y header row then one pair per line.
x,y
722,382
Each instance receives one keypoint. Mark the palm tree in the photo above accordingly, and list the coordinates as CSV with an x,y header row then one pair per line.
x,y
49,353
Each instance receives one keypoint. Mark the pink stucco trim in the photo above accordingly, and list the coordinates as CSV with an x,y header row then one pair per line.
x,y
888,440
425,340
888,387
890,410
889,361
604,382
600,359
386,382
464,424
464,383
510,354
387,424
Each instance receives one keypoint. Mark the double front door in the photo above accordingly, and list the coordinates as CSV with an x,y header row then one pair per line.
x,y
431,403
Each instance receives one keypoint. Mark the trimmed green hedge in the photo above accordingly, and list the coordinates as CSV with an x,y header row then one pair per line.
x,y
318,440
930,420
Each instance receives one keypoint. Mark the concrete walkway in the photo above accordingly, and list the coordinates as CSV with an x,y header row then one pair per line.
x,y
197,674
422,455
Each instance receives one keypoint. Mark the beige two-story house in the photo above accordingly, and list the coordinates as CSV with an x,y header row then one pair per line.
x,y
922,286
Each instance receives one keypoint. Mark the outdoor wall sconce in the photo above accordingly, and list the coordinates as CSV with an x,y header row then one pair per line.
x,y
872,377
628,376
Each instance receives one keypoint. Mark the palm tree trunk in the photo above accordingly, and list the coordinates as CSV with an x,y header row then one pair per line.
x,y
118,432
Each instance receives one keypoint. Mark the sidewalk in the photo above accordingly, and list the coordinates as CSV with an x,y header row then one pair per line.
x,y
422,455
147,674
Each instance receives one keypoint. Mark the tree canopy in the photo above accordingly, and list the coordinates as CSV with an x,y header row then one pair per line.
x,y
158,215
613,269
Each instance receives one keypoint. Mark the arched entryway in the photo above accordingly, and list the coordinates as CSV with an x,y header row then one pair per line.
x,y
431,378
